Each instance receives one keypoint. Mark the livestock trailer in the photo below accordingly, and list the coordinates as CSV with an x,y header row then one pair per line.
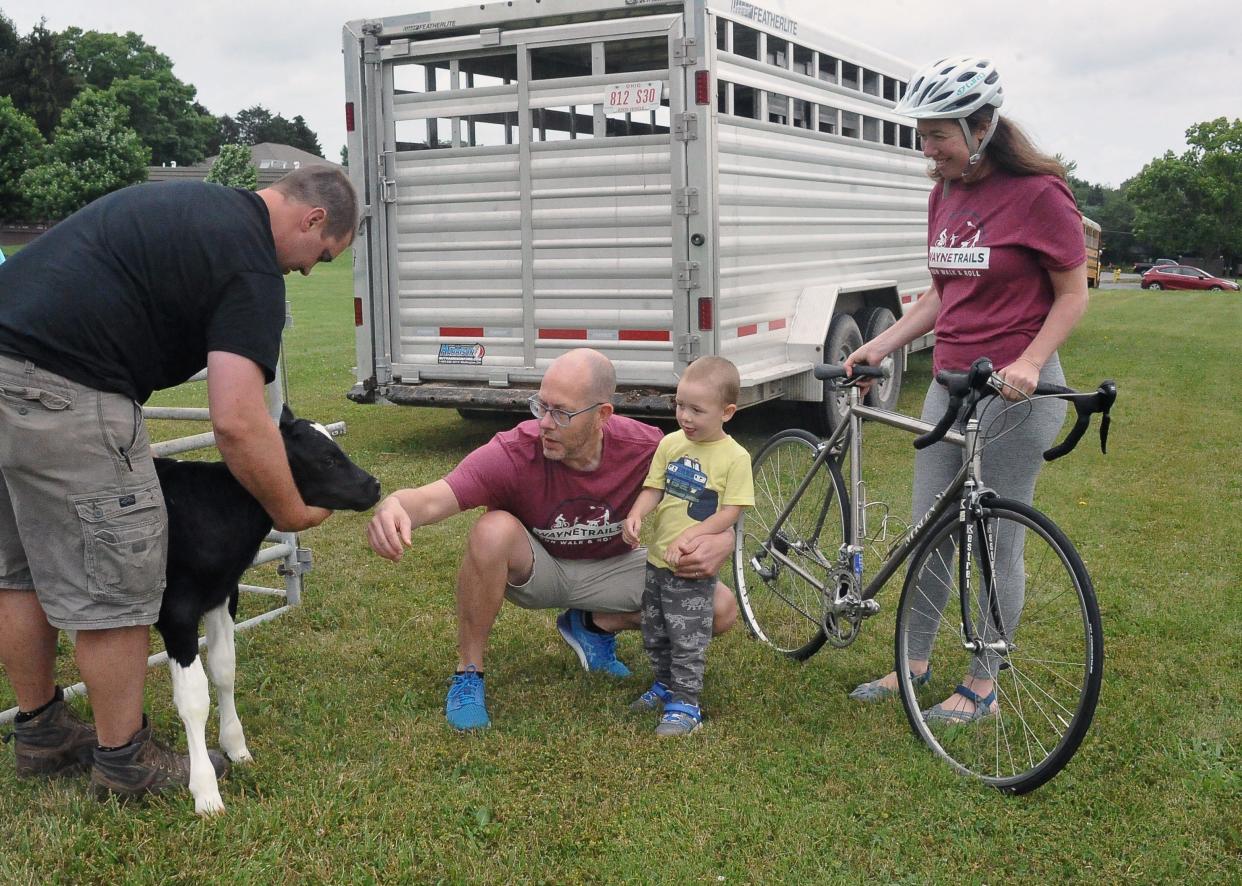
x,y
658,180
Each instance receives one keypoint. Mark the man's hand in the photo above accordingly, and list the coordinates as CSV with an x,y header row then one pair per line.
x,y
390,530
703,556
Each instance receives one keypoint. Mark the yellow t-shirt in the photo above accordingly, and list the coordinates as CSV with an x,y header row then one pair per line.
x,y
697,478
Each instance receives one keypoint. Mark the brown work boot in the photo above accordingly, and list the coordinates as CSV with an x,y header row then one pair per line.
x,y
144,766
56,742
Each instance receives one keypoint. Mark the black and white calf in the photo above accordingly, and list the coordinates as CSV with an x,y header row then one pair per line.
x,y
215,528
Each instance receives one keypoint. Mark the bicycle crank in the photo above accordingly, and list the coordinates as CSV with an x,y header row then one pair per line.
x,y
844,618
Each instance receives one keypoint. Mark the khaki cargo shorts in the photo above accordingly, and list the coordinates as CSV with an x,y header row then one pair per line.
x,y
611,585
82,519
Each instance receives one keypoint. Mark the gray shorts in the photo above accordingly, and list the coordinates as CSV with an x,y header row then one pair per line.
x,y
82,518
611,585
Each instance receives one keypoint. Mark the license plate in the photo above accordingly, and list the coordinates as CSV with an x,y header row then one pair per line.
x,y
624,98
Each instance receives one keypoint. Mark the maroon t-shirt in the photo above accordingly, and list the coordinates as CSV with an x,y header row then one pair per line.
x,y
577,515
990,247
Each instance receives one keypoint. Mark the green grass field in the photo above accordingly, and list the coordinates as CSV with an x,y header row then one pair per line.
x,y
357,779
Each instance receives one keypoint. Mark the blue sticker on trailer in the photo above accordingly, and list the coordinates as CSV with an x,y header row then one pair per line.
x,y
469,355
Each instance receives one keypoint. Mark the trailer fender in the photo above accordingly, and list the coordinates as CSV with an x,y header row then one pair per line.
x,y
813,314
817,305
809,326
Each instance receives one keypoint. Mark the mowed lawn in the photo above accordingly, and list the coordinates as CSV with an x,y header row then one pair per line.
x,y
357,778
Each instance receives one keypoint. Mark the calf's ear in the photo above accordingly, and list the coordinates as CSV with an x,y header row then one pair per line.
x,y
286,416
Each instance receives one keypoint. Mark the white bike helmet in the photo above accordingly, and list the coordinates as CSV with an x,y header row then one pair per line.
x,y
953,89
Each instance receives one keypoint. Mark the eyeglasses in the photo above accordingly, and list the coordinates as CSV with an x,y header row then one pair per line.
x,y
562,418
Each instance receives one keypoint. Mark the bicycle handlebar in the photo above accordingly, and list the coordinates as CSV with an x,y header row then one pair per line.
x,y
826,371
981,381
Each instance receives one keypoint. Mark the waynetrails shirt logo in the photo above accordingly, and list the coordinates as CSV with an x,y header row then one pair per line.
x,y
579,521
957,251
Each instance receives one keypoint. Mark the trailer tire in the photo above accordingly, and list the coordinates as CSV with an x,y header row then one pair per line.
x,y
842,340
884,394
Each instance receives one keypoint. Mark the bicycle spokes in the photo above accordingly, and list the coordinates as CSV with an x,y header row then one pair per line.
x,y
787,543
1029,625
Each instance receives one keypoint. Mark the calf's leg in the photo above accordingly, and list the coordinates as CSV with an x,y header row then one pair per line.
x,y
193,704
222,666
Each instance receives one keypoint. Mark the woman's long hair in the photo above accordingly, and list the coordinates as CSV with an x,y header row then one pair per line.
x,y
1010,149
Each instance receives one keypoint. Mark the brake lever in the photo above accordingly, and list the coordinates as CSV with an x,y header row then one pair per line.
x,y
1107,393
1101,402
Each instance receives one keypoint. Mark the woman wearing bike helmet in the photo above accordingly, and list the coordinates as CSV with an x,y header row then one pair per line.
x,y
1009,282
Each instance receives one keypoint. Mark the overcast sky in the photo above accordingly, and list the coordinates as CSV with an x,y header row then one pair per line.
x,y
1110,84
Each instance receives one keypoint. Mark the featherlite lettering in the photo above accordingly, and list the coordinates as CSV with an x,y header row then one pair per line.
x,y
765,17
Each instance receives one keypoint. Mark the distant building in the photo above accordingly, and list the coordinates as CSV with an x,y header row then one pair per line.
x,y
272,162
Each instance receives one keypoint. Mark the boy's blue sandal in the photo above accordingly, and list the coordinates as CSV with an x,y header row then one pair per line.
x,y
465,708
653,699
679,719
874,691
949,717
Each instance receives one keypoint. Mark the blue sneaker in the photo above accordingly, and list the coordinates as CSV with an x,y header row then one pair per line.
x,y
654,699
597,652
464,706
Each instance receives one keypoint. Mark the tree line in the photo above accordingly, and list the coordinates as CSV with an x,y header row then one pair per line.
x,y
83,113
1187,204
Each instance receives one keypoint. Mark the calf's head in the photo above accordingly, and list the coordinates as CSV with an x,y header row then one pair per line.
x,y
324,475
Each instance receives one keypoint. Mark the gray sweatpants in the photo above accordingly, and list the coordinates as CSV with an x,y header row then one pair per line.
x,y
677,626
1012,458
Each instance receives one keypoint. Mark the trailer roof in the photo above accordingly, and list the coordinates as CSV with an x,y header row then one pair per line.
x,y
768,16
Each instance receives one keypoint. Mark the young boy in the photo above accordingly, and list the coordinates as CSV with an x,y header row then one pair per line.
x,y
698,484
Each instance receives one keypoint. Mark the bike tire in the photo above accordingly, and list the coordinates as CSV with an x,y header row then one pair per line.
x,y
778,606
1047,685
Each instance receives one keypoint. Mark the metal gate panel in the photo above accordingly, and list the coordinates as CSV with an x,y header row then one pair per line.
x,y
458,253
603,261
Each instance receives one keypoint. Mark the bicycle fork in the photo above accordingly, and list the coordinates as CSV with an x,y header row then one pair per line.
x,y
972,519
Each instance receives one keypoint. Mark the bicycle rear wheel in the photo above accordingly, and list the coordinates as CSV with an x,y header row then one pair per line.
x,y
779,606
1029,588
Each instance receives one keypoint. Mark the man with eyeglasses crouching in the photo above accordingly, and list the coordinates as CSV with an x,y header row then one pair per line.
x,y
557,489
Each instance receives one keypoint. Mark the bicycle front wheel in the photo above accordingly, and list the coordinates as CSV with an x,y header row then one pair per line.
x,y
780,575
1031,600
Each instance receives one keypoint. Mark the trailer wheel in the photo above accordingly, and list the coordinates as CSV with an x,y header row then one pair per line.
x,y
843,339
883,395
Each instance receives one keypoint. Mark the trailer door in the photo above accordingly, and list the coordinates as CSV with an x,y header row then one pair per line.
x,y
525,212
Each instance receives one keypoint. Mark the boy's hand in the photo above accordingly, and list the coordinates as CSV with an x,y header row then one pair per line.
x,y
630,529
705,555
673,553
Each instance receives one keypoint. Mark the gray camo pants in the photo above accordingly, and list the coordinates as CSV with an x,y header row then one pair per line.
x,y
677,626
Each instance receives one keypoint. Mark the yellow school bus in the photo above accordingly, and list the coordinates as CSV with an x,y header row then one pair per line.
x,y
1091,237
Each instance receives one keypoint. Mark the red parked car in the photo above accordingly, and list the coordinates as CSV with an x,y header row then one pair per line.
x,y
1183,277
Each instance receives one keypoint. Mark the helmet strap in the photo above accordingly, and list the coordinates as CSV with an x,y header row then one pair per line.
x,y
976,152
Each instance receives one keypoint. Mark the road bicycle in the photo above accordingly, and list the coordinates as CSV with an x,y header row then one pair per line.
x,y
1028,612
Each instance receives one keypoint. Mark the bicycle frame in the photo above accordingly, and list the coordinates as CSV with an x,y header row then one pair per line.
x,y
964,488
